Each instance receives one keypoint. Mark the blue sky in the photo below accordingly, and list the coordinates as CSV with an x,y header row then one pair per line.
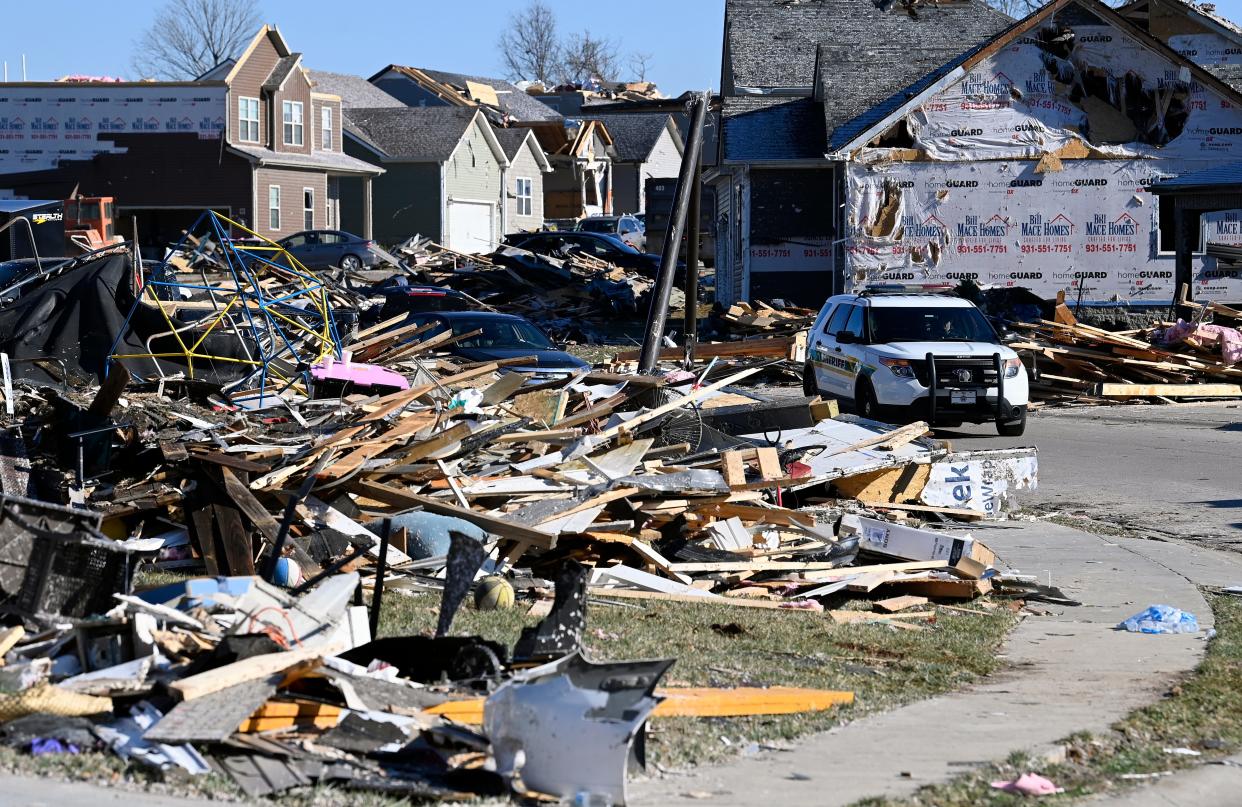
x,y
361,36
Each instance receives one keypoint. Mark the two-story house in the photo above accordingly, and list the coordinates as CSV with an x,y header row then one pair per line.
x,y
250,139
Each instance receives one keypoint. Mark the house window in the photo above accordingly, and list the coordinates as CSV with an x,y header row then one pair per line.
x,y
273,207
325,124
308,208
248,120
293,122
525,197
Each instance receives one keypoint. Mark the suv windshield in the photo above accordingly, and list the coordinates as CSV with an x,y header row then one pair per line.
x,y
929,325
501,333
598,225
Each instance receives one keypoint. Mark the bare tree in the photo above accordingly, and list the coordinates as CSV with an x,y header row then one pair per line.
x,y
529,45
587,57
640,63
189,37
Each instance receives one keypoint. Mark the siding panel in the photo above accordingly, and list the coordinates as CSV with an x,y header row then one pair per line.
x,y
524,165
291,182
248,82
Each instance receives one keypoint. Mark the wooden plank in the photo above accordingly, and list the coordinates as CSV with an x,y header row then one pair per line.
x,y
767,515
677,403
696,702
498,526
431,445
894,604
734,468
799,566
253,668
769,463
248,504
647,553
952,512
1168,390
595,501
235,540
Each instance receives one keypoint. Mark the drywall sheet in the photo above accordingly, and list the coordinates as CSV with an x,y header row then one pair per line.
x,y
1215,279
1078,83
1089,229
40,126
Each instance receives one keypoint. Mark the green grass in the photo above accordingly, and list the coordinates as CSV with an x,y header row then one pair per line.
x,y
1200,713
885,667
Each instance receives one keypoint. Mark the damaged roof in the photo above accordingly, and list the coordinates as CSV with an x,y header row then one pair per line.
x,y
748,124
774,43
1218,177
513,101
354,91
416,134
635,135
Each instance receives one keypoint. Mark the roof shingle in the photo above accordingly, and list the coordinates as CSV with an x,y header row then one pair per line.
x,y
354,91
418,134
757,128
773,43
634,135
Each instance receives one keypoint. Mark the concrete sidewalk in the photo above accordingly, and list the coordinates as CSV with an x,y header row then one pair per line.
x,y
1070,672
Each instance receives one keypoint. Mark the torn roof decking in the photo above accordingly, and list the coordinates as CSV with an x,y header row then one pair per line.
x,y
774,43
857,131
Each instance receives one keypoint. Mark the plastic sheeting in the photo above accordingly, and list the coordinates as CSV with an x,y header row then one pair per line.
x,y
1089,229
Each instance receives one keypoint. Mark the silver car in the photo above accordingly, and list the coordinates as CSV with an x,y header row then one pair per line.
x,y
321,249
628,228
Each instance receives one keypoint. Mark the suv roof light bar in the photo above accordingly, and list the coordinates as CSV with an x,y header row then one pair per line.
x,y
877,289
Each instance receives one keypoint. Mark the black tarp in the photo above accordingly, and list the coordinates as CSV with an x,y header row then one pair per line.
x,y
76,316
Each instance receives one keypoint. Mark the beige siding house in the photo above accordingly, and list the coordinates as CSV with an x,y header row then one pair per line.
x,y
647,145
523,181
444,174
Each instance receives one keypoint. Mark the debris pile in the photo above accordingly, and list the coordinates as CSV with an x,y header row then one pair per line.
x,y
294,492
571,294
1079,363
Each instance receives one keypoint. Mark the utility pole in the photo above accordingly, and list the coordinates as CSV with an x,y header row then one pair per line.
x,y
687,181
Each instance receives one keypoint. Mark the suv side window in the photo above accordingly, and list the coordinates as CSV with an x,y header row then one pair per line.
x,y
855,324
840,315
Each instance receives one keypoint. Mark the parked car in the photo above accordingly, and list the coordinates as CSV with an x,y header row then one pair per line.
x,y
601,245
412,300
503,336
322,249
628,228
908,357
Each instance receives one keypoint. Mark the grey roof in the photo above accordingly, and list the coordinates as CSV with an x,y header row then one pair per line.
x,y
330,161
848,116
773,43
1216,178
1231,74
284,66
634,135
420,134
772,128
513,101
354,91
511,140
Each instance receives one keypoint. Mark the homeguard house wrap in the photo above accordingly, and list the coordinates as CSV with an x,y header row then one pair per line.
x,y
1022,161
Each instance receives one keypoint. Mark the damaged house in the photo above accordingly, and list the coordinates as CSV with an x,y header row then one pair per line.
x,y
251,139
648,146
1022,161
580,152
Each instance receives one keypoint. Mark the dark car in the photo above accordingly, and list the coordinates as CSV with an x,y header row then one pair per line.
x,y
503,336
600,245
321,249
411,300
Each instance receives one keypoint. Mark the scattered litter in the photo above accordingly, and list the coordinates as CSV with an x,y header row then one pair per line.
x,y
1161,619
1029,784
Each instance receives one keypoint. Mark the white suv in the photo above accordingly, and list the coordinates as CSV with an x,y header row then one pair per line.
x,y
916,357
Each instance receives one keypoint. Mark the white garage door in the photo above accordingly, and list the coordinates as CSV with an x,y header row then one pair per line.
x,y
470,226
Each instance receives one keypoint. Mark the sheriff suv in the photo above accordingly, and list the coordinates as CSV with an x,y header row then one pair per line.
x,y
914,357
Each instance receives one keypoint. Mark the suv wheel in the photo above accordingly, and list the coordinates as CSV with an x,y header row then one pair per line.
x,y
865,403
810,388
1013,429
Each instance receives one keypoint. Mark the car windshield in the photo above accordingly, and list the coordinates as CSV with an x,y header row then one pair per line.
x,y
501,333
598,226
929,325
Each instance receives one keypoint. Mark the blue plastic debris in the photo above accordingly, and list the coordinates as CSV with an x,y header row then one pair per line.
x,y
1161,619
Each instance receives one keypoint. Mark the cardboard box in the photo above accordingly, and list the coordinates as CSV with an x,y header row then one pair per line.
x,y
964,554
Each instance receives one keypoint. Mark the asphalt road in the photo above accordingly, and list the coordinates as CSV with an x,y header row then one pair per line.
x,y
1171,470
